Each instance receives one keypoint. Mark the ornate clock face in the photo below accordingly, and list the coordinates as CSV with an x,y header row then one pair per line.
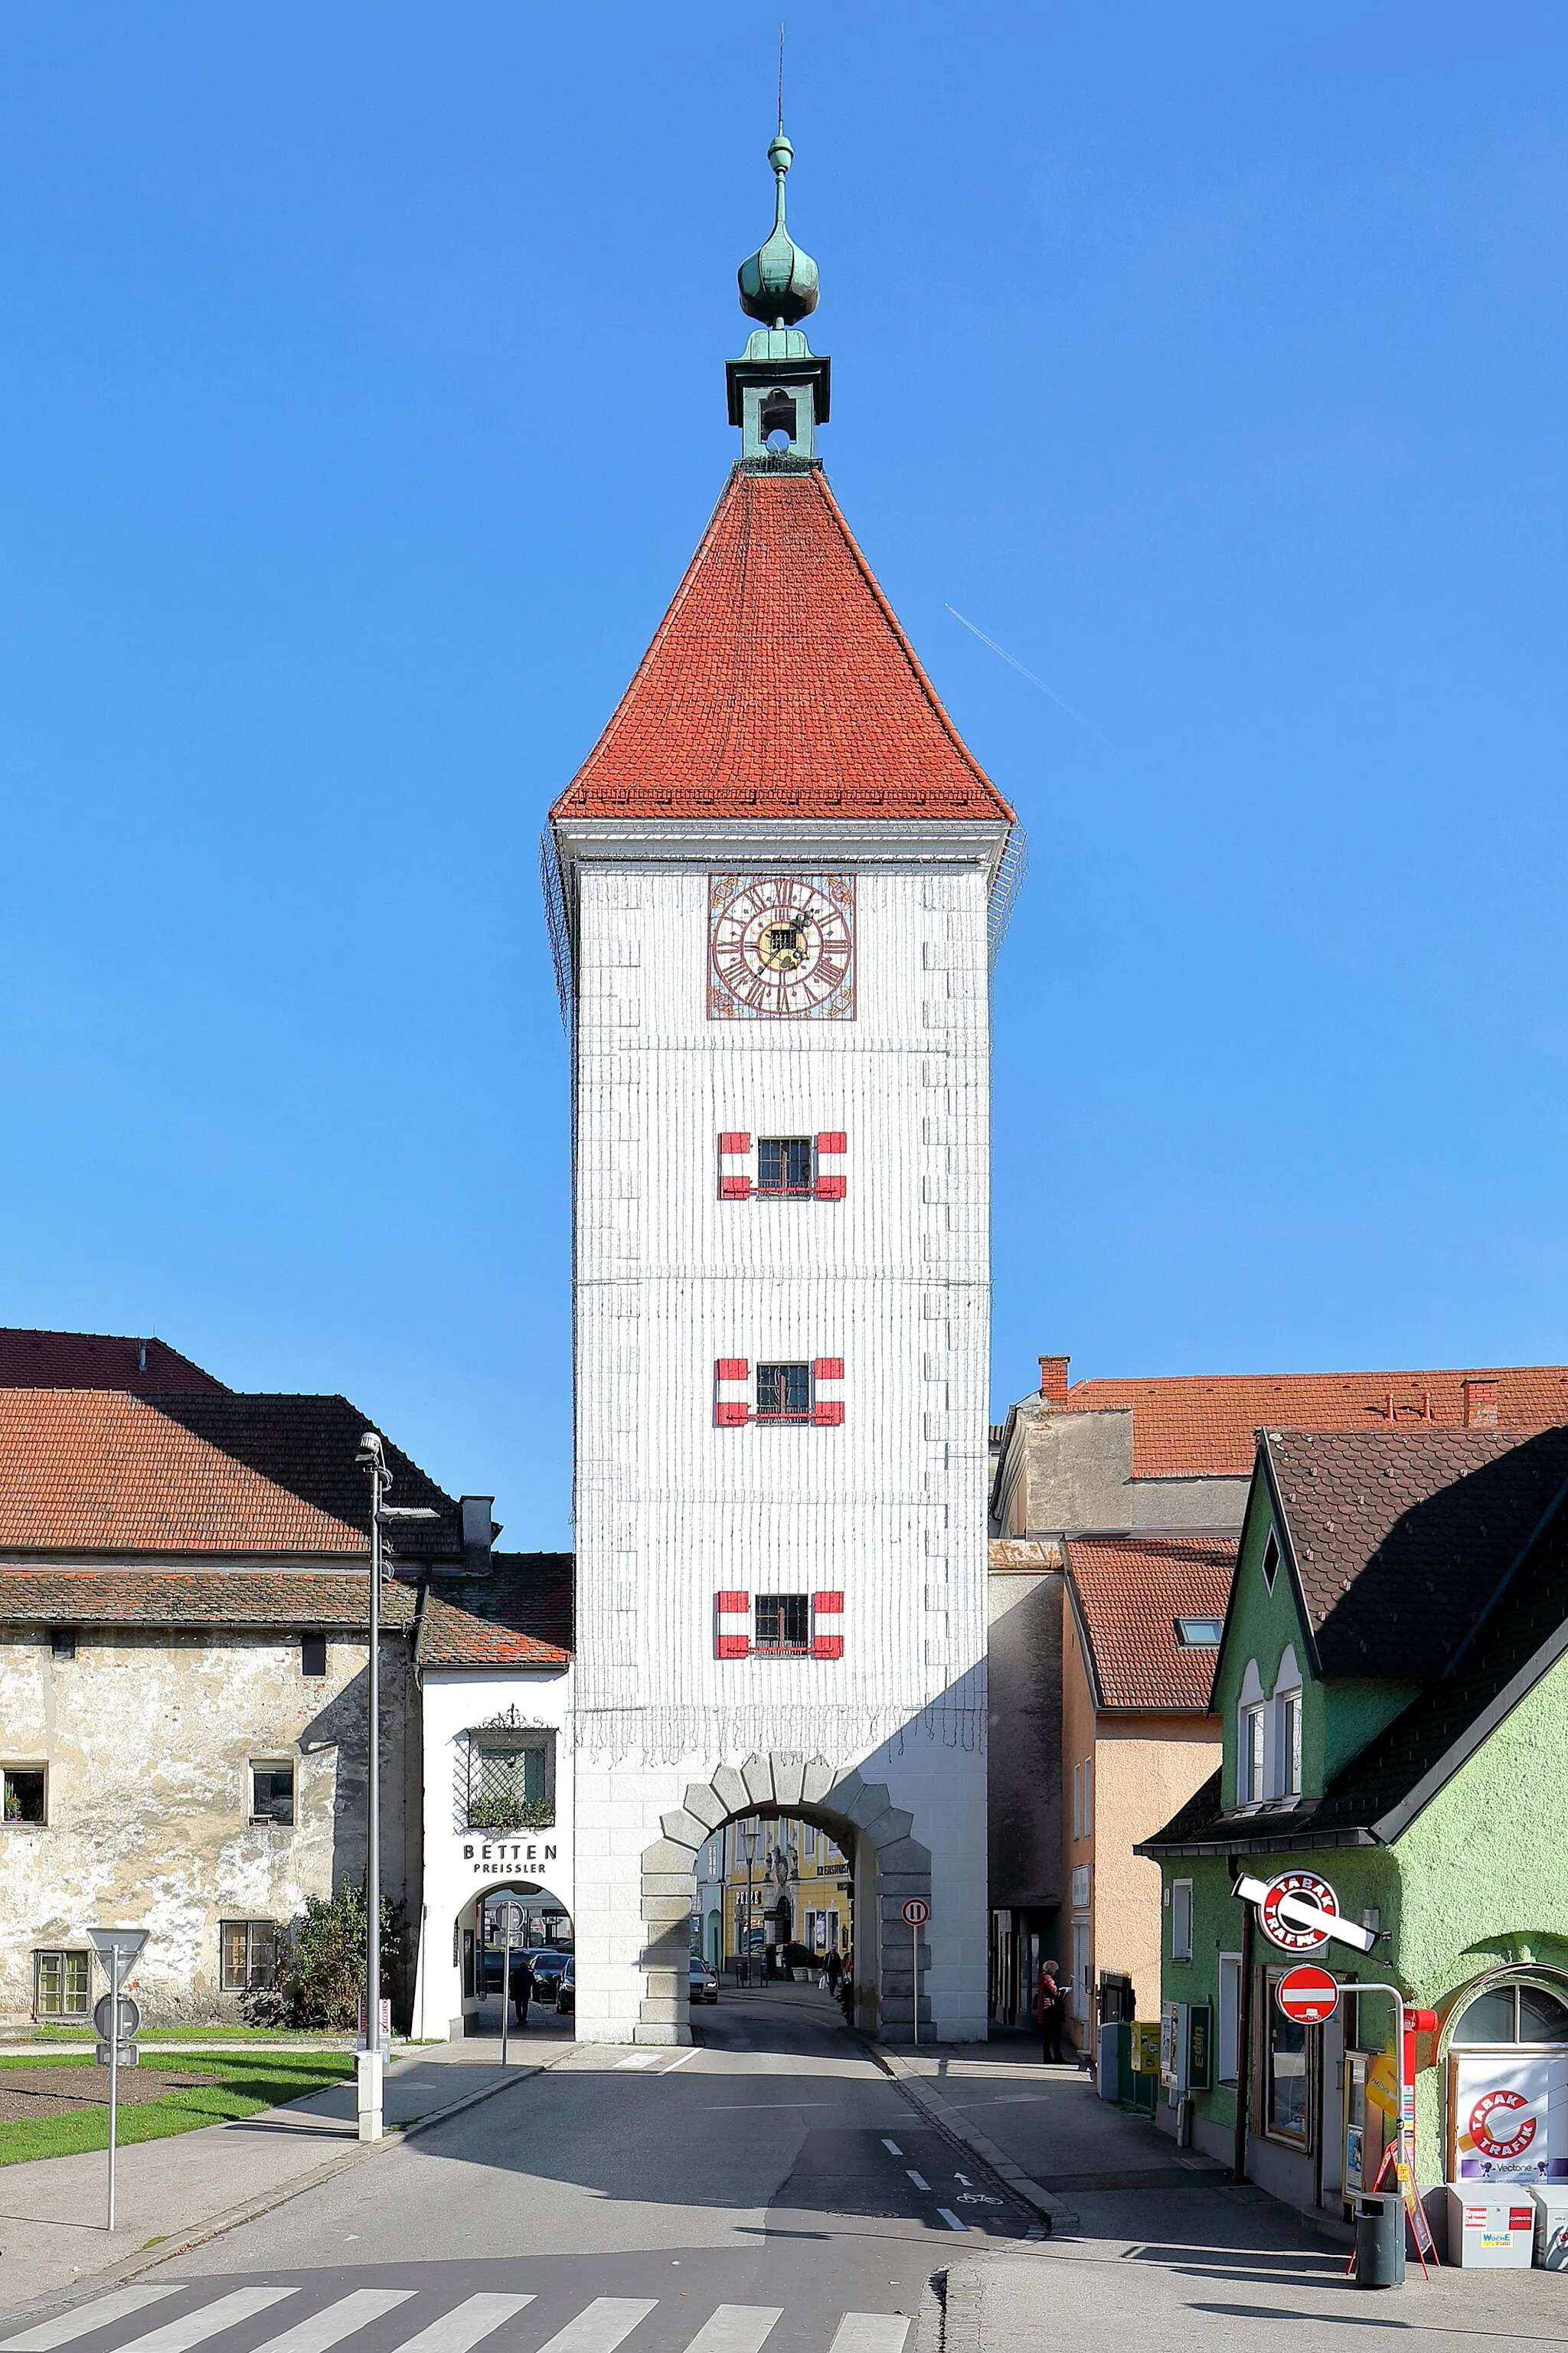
x,y
781,946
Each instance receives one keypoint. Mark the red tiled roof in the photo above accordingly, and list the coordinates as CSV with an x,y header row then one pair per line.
x,y
1195,1425
95,1360
780,684
518,1614
1129,1591
162,1597
98,1471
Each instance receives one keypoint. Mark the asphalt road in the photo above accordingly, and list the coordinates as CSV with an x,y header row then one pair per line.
x,y
772,2188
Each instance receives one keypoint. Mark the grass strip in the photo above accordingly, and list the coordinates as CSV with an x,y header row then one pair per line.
x,y
247,2081
282,2036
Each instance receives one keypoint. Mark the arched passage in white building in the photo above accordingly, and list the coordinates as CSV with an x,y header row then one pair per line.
x,y
479,1944
888,1866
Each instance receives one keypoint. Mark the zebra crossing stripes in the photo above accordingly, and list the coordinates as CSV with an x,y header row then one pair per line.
x,y
464,2326
102,2315
336,2321
736,2329
871,2332
209,2320
600,2326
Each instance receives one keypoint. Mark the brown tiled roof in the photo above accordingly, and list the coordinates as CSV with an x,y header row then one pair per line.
x,y
162,1597
95,1360
1400,1536
518,1614
780,684
99,1470
1129,1591
1199,1424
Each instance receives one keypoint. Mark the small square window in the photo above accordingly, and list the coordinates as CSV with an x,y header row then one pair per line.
x,y
62,1984
786,1164
783,1392
248,1952
784,1621
22,1793
314,1655
62,1641
272,1793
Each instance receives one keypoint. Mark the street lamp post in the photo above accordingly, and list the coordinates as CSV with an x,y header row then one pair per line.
x,y
372,1456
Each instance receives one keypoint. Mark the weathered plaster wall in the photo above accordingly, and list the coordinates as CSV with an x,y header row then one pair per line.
x,y
1026,1754
147,1737
1073,1471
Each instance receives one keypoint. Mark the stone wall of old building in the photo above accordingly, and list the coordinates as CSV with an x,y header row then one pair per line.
x,y
147,1736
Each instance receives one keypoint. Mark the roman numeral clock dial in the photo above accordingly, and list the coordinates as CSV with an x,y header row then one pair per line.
x,y
781,946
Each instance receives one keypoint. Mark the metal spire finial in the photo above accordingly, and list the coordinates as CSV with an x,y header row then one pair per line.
x,y
778,282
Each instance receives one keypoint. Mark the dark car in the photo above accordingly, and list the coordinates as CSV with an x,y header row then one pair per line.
x,y
566,1986
547,1962
703,1980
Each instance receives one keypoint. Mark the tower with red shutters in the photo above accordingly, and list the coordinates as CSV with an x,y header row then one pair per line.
x,y
772,884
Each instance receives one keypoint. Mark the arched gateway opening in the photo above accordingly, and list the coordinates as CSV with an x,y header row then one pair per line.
x,y
479,1942
888,1867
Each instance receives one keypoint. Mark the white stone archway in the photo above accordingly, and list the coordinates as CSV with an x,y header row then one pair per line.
x,y
889,1867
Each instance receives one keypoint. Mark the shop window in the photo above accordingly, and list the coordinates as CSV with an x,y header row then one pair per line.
x,y
1182,1920
1230,2016
22,1790
1513,2013
62,1984
272,1793
248,1954
1284,2116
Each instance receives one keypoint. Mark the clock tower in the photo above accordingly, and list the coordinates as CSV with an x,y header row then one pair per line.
x,y
772,886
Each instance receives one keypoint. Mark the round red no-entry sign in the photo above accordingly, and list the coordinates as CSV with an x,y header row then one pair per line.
x,y
1306,1994
917,1911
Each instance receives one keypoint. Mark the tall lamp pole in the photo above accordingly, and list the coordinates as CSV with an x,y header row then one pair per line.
x,y
372,1456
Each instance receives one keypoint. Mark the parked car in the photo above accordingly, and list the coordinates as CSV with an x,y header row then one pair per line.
x,y
703,1980
548,1963
566,1988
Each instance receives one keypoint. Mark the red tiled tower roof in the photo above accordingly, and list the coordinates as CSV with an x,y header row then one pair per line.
x,y
780,684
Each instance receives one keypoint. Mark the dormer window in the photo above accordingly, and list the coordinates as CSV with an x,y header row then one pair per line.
x,y
1250,1783
1199,1633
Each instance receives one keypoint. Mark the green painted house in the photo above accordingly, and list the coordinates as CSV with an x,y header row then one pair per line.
x,y
1392,1686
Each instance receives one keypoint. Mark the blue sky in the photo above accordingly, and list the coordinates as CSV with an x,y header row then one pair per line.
x,y
361,399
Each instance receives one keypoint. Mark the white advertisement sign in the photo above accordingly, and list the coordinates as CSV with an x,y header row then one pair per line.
x,y
1510,2118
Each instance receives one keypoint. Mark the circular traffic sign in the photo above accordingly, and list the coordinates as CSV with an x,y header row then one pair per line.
x,y
917,1911
1306,1994
1293,1936
129,2017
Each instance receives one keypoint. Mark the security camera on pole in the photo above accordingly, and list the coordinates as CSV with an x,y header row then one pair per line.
x,y
372,2068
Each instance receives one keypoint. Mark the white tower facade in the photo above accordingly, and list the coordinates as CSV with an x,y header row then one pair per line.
x,y
773,880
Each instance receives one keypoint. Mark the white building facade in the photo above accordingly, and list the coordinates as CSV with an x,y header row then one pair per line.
x,y
774,881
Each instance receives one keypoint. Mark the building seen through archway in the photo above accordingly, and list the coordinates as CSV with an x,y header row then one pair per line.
x,y
771,1883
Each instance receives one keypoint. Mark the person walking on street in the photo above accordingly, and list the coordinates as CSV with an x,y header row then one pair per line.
x,y
833,1969
522,1987
1050,2013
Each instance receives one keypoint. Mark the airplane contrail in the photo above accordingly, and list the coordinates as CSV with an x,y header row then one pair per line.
x,y
1050,690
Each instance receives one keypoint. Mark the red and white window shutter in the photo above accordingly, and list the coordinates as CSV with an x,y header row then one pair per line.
x,y
826,1643
730,1641
737,1174
827,1372
730,1373
735,1184
832,1144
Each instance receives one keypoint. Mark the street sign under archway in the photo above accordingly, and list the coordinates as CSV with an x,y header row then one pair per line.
x,y
917,1911
1306,1994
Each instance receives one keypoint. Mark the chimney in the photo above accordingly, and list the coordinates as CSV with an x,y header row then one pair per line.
x,y
479,1530
1054,1379
1480,1400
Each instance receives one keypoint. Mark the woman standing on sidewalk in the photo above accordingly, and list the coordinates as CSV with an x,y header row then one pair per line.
x,y
1050,2004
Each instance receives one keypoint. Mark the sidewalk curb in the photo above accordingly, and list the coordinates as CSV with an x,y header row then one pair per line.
x,y
232,2218
1056,2216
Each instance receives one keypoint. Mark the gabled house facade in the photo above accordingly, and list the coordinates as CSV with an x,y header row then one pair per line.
x,y
1392,1690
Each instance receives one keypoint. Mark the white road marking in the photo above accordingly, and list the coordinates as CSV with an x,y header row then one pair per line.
x,y
870,2332
951,2219
641,2059
965,2178
196,2328
892,2147
464,2326
85,2320
684,2061
335,2321
600,2326
736,2329
918,2178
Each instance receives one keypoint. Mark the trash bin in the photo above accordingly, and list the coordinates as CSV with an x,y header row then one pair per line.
x,y
1551,2227
1491,2225
1378,2239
